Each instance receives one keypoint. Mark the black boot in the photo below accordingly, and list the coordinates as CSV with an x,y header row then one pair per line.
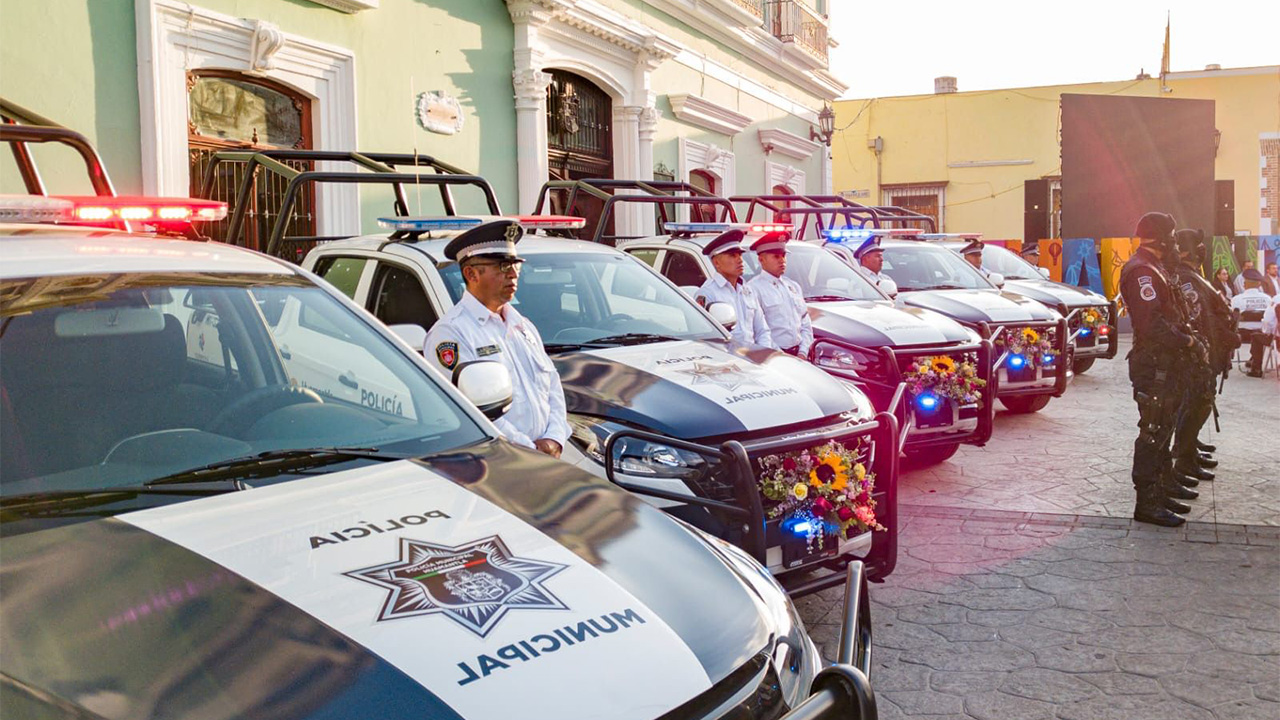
x,y
1206,447
1156,514
1176,490
1174,506
1206,461
1185,481
1192,470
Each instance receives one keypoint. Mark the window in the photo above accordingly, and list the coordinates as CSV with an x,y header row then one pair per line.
x,y
647,256
703,180
683,269
924,198
342,272
782,190
398,298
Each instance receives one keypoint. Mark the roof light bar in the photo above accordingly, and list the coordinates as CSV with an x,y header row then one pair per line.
x,y
951,236
770,227
862,233
706,227
429,224
98,209
549,222
34,209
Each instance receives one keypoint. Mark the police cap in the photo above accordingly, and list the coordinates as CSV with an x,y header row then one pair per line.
x,y
772,242
973,248
870,245
495,239
727,241
1252,275
1029,248
1155,226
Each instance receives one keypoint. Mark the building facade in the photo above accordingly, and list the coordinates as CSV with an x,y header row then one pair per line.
x,y
966,157
721,93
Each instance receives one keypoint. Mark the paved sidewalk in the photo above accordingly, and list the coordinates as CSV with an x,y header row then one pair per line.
x,y
1015,617
1074,456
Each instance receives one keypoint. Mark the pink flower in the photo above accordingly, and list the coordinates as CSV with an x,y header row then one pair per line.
x,y
822,506
865,515
862,499
789,464
845,513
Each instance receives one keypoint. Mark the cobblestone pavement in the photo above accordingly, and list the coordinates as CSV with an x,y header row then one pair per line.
x,y
1023,591
1074,456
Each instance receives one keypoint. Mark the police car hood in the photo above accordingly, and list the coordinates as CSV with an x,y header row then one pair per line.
x,y
879,324
1053,293
694,389
489,584
975,306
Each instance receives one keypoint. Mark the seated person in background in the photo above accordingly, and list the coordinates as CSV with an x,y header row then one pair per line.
x,y
1238,284
1222,283
1252,304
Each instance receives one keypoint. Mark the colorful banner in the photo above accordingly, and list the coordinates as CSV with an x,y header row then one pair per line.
x,y
1051,257
1080,263
1115,253
1270,247
1220,256
1245,248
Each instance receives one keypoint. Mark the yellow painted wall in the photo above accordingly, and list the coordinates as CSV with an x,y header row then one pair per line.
x,y
939,138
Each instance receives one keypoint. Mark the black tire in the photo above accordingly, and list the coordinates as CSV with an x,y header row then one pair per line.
x,y
1021,404
932,455
1081,365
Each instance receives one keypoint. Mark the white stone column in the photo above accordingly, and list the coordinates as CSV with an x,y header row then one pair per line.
x,y
827,188
626,163
531,134
648,123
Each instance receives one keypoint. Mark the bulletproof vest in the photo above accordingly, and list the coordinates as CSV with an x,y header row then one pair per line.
x,y
1172,308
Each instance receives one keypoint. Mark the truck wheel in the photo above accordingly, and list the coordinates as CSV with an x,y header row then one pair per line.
x,y
926,456
1082,364
1021,404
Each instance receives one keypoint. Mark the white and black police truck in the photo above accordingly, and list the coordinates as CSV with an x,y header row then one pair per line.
x,y
195,535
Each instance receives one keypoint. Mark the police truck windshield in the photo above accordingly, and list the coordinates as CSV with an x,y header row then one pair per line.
x,y
821,275
999,260
115,380
920,266
582,298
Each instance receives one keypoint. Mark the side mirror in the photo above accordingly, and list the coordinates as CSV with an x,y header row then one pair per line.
x,y
996,279
487,384
724,314
1044,273
889,287
414,335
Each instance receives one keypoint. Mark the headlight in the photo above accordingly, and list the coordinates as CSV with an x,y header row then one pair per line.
x,y
634,456
835,357
795,658
974,335
863,405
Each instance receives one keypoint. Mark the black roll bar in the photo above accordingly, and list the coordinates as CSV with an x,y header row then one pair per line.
x,y
19,135
661,193
831,207
747,507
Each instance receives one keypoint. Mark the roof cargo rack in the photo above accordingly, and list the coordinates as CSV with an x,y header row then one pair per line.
x,y
596,199
823,212
371,169
21,126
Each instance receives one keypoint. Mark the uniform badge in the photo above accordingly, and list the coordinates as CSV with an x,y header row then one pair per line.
x,y
513,233
447,354
474,584
488,350
1145,289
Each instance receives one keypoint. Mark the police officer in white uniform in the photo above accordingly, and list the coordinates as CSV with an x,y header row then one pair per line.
x,y
725,285
871,256
1252,304
973,254
780,297
484,326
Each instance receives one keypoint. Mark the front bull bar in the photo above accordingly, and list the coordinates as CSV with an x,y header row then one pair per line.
x,y
1063,344
843,691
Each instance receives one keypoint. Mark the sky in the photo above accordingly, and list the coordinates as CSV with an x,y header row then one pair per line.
x,y
898,47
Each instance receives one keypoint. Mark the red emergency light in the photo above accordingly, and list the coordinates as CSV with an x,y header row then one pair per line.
x,y
96,210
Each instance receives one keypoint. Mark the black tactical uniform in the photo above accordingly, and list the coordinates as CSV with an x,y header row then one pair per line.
x,y
1214,325
1161,339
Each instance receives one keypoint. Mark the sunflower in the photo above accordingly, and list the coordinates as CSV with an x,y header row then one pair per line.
x,y
1030,336
943,364
831,469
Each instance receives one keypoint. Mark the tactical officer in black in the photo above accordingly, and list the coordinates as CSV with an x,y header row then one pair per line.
x,y
1162,340
1214,324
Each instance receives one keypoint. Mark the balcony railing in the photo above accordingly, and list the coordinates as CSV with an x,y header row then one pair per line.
x,y
794,22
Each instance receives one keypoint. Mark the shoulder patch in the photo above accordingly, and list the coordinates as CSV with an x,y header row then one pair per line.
x,y
447,354
1146,289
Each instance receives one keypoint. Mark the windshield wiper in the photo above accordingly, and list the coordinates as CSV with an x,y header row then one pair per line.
x,y
272,463
828,298
630,339
945,286
62,500
562,347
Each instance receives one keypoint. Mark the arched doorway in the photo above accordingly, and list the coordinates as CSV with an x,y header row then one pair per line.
x,y
229,110
782,190
579,142
704,180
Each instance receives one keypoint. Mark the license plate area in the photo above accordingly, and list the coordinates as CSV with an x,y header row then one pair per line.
x,y
796,552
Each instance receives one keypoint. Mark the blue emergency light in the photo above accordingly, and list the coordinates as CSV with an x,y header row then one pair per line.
x,y
1047,360
698,227
846,234
1086,332
428,224
927,402
1017,361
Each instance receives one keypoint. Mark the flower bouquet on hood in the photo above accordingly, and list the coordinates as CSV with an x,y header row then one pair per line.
x,y
946,379
1033,348
825,491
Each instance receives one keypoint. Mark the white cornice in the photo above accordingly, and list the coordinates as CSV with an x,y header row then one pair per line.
x,y
758,45
787,143
731,10
599,21
349,6
706,114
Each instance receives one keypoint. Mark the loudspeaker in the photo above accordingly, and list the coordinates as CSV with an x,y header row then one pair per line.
x,y
1035,200
1224,214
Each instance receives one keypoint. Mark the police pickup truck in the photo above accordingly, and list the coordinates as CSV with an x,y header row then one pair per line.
x,y
193,534
1032,358
1091,318
858,335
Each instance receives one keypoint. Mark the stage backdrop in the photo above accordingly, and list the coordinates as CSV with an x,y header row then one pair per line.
x,y
1124,156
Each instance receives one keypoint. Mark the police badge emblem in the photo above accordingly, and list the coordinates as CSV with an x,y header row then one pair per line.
x,y
1145,289
474,584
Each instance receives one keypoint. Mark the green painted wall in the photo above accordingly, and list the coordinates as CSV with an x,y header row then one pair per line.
x,y
74,61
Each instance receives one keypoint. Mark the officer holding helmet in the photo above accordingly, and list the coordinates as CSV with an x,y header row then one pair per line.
x,y
1162,343
484,326
781,298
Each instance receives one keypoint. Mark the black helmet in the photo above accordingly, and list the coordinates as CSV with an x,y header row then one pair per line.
x,y
1189,240
1156,228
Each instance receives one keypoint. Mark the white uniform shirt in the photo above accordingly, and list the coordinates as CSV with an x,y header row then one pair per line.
x,y
1251,300
752,328
1269,317
785,311
470,331
876,278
